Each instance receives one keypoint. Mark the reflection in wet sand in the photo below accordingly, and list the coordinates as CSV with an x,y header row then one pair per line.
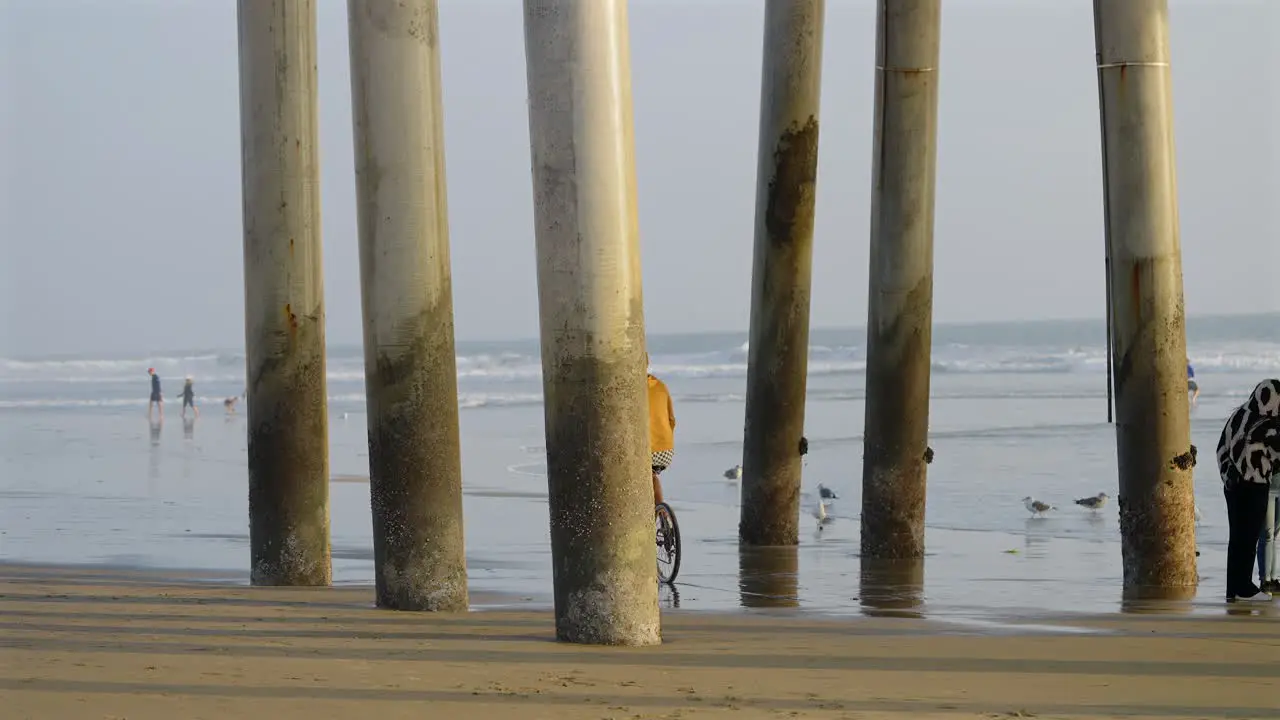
x,y
188,428
153,461
768,577
1037,534
891,588
1157,600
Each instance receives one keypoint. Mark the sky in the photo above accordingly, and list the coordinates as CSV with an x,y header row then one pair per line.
x,y
120,206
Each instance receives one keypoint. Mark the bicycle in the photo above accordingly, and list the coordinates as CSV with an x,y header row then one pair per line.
x,y
668,540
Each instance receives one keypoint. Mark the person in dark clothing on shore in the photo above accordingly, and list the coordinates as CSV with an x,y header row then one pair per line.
x,y
157,399
1248,456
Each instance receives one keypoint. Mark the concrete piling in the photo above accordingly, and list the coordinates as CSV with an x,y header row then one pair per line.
x,y
1148,348
778,352
284,295
592,322
900,302
415,466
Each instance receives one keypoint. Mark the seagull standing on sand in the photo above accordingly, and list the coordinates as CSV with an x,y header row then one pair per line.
x,y
1035,506
826,493
821,514
734,473
1097,502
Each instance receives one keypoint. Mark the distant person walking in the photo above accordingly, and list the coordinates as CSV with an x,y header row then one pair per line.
x,y
1248,456
1192,386
189,398
157,399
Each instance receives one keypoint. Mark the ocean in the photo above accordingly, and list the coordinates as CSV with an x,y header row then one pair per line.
x,y
1017,409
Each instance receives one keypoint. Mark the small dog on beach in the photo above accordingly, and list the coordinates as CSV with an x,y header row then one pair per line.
x,y
230,405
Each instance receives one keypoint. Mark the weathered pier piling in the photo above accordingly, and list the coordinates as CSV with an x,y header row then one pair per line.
x,y
284,295
778,353
1153,440
415,466
900,301
592,322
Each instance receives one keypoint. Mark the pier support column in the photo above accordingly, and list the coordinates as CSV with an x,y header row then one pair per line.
x,y
900,301
1149,344
415,466
288,410
778,353
592,318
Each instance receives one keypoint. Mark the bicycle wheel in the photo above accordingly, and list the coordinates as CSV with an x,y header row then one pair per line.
x,y
668,538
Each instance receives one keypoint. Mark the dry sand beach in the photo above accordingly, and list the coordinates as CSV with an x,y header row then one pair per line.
x,y
95,643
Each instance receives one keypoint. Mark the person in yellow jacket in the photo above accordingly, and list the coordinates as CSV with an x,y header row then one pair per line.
x,y
662,427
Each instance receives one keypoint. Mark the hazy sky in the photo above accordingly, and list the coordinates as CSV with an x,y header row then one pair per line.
x,y
120,226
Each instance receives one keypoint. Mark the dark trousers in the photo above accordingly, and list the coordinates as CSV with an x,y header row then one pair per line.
x,y
1246,513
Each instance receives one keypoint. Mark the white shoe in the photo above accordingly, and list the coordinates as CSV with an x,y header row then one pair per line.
x,y
1254,598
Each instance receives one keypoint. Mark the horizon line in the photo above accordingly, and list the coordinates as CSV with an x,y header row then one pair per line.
x,y
690,333
936,324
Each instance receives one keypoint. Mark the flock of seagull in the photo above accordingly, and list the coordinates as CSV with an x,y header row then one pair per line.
x,y
825,494
1035,507
1093,502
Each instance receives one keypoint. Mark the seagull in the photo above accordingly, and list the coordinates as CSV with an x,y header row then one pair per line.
x,y
734,473
826,493
1097,502
821,514
1035,506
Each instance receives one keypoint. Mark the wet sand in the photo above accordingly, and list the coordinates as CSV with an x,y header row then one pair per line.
x,y
106,488
98,643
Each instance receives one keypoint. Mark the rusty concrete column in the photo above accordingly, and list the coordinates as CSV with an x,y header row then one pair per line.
x,y
590,305
411,380
288,409
900,301
1153,435
778,353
